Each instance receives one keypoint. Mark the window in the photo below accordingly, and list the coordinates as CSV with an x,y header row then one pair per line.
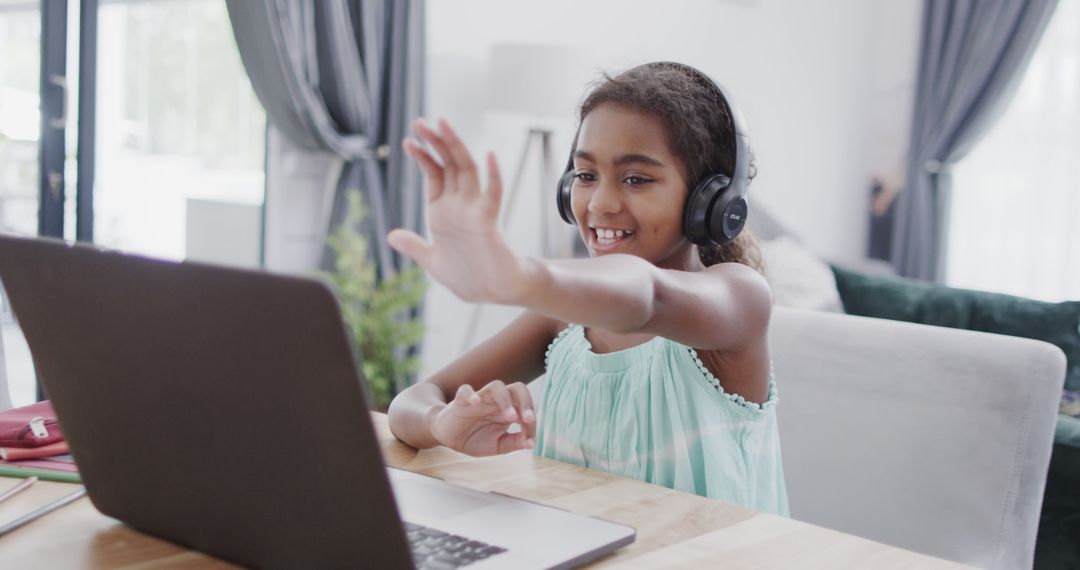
x,y
179,139
181,135
20,42
1015,216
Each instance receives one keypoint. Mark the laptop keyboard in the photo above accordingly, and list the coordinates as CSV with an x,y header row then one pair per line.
x,y
437,550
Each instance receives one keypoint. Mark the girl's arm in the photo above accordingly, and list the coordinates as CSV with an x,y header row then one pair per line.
x,y
496,371
724,307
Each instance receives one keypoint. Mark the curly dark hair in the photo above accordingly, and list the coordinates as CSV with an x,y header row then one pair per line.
x,y
700,131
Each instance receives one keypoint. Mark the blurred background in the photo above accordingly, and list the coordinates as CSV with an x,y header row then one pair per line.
x,y
143,125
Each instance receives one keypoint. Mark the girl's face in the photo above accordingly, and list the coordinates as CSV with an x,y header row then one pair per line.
x,y
629,191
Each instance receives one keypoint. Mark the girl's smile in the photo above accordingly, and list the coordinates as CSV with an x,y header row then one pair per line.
x,y
608,239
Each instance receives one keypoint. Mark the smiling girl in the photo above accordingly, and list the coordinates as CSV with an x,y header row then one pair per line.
x,y
655,347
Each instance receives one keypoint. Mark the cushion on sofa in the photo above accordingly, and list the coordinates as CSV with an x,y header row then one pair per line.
x,y
798,278
915,301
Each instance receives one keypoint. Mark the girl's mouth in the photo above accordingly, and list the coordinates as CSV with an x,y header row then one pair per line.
x,y
607,239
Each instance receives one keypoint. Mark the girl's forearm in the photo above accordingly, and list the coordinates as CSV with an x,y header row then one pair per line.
x,y
613,292
412,411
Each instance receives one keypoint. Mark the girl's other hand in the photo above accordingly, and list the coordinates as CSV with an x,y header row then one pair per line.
x,y
467,252
476,422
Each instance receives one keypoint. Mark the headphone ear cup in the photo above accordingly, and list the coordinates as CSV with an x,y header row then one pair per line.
x,y
728,217
563,197
698,212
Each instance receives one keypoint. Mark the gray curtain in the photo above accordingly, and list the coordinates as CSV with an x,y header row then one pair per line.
x,y
344,77
972,56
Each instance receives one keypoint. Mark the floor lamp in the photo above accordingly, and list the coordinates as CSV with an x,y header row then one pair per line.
x,y
542,137
541,82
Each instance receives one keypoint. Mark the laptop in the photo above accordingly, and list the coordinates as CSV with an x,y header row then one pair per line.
x,y
221,409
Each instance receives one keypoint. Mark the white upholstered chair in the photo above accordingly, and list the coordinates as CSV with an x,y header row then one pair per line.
x,y
935,440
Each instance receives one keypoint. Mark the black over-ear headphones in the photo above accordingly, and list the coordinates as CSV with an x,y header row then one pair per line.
x,y
716,207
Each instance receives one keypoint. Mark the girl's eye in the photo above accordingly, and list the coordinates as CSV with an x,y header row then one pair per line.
x,y
636,180
585,176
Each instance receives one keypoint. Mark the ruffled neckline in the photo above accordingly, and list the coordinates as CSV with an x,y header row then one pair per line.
x,y
608,362
620,360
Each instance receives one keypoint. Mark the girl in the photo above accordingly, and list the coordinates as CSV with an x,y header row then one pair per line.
x,y
656,349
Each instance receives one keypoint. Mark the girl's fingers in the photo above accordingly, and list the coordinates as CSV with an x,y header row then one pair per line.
x,y
467,395
412,245
495,186
432,169
496,392
439,144
524,404
469,180
523,400
466,399
512,442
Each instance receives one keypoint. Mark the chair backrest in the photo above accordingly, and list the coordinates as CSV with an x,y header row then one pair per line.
x,y
932,439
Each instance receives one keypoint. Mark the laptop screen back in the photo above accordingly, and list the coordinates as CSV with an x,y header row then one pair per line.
x,y
217,408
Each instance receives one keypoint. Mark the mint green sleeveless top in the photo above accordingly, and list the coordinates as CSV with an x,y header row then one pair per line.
x,y
654,412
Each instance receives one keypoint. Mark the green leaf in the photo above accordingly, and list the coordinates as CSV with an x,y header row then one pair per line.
x,y
376,313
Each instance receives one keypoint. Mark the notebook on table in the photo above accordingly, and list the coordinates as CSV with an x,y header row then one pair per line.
x,y
178,385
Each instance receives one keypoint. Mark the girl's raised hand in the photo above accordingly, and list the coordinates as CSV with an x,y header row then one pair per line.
x,y
476,422
467,253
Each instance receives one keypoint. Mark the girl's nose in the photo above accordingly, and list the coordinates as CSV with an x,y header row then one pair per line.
x,y
605,200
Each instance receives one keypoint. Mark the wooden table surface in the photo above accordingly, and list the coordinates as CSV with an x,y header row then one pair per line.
x,y
675,530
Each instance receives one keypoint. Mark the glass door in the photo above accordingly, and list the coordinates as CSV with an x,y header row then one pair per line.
x,y
20,42
181,136
20,125
131,124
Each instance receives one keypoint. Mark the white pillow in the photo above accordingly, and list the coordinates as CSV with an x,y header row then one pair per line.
x,y
799,278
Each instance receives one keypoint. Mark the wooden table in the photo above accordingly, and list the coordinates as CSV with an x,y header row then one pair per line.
x,y
674,529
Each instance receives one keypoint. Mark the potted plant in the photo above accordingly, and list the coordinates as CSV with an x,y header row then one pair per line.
x,y
378,313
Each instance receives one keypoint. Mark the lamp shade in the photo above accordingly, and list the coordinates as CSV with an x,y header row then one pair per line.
x,y
536,79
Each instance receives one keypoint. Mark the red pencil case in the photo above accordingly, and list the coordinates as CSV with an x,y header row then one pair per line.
x,y
30,426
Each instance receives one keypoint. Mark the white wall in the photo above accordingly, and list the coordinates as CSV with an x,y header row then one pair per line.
x,y
299,187
825,86
894,52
